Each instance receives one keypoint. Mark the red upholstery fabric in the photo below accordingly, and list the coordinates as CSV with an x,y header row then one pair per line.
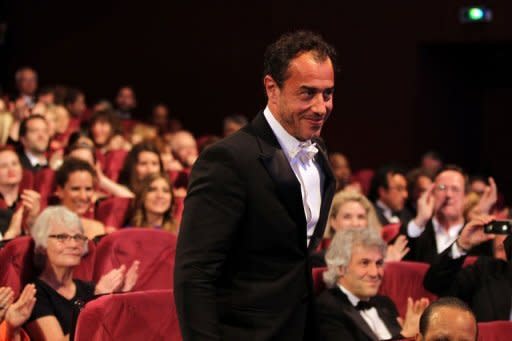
x,y
402,280
318,280
179,178
495,331
179,205
149,316
113,162
17,267
154,248
470,260
112,211
390,231
44,183
364,177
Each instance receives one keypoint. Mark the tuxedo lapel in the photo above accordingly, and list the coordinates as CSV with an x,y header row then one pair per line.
x,y
351,312
327,194
275,162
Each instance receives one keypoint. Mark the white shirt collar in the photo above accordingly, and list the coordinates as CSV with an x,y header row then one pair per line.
x,y
34,160
351,297
288,142
453,231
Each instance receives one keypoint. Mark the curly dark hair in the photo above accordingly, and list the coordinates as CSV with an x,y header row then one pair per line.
x,y
289,46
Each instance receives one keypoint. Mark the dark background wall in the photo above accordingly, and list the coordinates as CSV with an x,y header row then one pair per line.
x,y
412,78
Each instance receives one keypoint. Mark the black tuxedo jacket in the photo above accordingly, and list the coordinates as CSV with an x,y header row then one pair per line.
x,y
339,320
25,162
404,216
424,247
242,270
486,285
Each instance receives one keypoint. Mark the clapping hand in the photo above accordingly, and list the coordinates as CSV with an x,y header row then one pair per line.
x,y
411,324
118,279
19,312
6,298
425,207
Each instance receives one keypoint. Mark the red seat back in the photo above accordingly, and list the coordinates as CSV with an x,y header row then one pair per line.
x,y
17,263
364,177
495,331
318,280
390,231
154,248
402,280
112,211
149,315
113,162
44,183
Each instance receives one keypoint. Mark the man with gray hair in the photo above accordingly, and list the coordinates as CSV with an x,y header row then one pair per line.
x,y
351,309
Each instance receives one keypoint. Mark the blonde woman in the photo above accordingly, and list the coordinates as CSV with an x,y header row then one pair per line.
x,y
351,209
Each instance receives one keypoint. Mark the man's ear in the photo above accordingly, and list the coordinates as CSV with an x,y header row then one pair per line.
x,y
341,270
271,88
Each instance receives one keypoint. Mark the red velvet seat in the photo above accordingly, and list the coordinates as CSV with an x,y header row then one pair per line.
x,y
402,280
44,183
17,266
389,232
318,280
149,315
112,163
154,248
364,177
495,331
112,211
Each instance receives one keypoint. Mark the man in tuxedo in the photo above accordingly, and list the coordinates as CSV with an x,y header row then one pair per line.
x,y
351,310
34,139
448,319
485,285
440,217
257,206
388,192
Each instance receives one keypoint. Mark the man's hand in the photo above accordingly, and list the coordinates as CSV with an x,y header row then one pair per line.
x,y
411,324
425,207
488,199
473,233
31,200
20,311
6,298
397,250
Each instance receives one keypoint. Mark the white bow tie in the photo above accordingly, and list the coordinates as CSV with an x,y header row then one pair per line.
x,y
305,151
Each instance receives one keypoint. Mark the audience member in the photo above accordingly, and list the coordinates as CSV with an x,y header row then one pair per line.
x,y
26,84
14,314
153,205
105,131
34,139
341,169
351,309
141,161
60,244
13,204
233,123
431,163
418,182
126,103
351,209
75,103
440,218
6,121
388,192
184,148
448,319
485,285
46,95
75,189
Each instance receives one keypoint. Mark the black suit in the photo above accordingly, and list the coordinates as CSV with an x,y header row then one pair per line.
x,y
424,247
242,270
338,319
486,285
25,162
404,215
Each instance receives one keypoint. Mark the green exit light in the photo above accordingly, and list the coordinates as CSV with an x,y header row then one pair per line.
x,y
475,14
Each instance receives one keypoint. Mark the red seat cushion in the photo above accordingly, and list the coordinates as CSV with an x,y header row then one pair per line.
x,y
389,232
495,331
112,211
154,248
402,280
148,315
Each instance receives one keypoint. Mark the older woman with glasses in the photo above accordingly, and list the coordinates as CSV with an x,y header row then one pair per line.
x,y
60,244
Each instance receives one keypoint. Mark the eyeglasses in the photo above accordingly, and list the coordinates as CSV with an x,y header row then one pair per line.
x,y
445,188
64,237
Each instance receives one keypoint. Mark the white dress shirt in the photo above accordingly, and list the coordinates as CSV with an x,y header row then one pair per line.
x,y
34,160
309,174
371,316
444,238
388,213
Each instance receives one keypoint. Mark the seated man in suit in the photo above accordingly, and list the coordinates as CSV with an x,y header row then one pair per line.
x,y
388,192
34,139
351,308
485,285
448,319
440,217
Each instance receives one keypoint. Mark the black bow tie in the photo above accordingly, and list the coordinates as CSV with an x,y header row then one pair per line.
x,y
364,305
